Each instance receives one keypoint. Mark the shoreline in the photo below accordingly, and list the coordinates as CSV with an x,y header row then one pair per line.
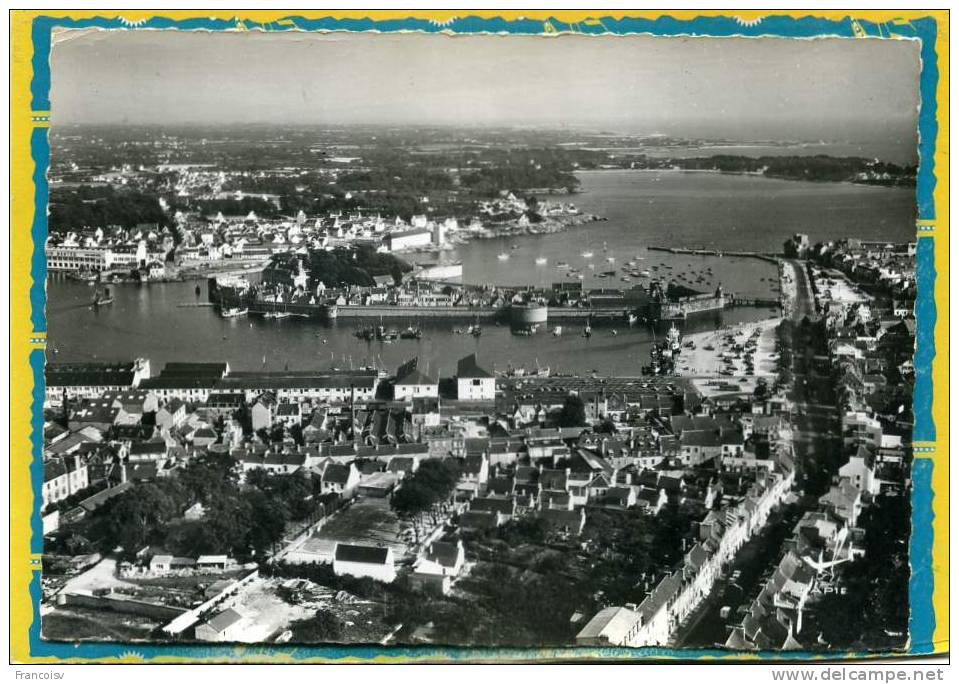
x,y
740,354
751,174
548,226
710,362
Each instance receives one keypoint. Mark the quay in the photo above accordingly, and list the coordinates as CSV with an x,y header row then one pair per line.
x,y
287,290
753,301
519,315
765,256
373,311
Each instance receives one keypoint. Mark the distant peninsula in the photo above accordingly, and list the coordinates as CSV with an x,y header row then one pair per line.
x,y
817,168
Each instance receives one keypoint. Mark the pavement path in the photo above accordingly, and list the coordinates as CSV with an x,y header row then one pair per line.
x,y
798,290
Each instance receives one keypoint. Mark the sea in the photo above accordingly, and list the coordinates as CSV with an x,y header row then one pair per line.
x,y
164,322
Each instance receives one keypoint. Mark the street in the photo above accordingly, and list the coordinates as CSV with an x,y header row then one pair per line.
x,y
706,628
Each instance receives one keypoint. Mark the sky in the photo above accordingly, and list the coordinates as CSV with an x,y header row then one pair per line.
x,y
746,89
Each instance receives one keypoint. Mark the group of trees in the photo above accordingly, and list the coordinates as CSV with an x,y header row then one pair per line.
x,y
341,267
573,413
428,491
489,181
245,519
873,613
626,545
72,208
237,207
518,606
793,167
323,627
405,179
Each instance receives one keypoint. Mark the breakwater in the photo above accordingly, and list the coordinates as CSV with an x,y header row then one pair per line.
x,y
385,311
771,257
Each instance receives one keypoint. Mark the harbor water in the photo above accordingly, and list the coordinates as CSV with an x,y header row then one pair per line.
x,y
166,321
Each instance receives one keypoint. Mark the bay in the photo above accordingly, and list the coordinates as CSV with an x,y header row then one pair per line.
x,y
643,209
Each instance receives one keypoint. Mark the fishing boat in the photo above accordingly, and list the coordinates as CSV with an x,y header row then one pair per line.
x,y
503,256
587,255
540,261
102,297
674,339
610,259
562,264
411,333
527,330
520,372
233,312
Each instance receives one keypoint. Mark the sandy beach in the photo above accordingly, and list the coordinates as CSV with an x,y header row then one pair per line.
x,y
736,355
746,349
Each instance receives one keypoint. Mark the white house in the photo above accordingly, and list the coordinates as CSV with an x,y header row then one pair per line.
x,y
63,478
340,479
472,382
439,564
408,239
364,561
412,383
861,473
613,626
262,412
229,625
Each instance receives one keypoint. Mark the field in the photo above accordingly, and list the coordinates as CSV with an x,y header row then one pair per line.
x,y
369,522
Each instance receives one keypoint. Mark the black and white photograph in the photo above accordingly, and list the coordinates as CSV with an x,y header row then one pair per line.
x,y
503,341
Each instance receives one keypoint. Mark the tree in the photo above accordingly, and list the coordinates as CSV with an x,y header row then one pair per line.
x,y
530,529
606,427
428,490
137,517
573,413
208,478
77,544
267,516
410,502
321,628
762,390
